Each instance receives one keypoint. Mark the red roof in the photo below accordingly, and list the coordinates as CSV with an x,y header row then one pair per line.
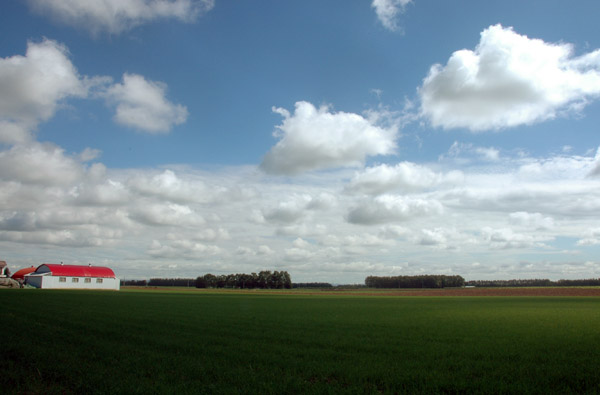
x,y
76,270
21,273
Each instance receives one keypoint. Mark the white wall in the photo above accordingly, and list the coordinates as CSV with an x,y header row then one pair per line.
x,y
55,283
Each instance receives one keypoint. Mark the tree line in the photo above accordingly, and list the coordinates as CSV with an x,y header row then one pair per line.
x,y
263,280
534,283
161,282
422,281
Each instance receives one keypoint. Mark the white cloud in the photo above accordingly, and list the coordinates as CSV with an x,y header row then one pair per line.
x,y
596,169
54,201
166,214
212,235
39,164
182,249
142,105
33,86
168,186
533,221
506,238
51,237
106,193
404,177
388,10
508,80
289,211
116,16
389,208
592,237
312,139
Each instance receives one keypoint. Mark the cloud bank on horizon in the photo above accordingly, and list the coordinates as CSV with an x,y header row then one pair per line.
x,y
423,182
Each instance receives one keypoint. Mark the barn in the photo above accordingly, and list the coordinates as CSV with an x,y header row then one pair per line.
x,y
62,276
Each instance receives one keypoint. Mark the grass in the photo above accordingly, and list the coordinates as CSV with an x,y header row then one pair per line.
x,y
183,341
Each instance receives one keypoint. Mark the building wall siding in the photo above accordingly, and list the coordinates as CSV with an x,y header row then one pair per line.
x,y
54,282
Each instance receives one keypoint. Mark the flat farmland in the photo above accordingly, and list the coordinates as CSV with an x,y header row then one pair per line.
x,y
203,341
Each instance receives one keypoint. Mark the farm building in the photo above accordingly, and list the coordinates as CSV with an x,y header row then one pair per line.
x,y
73,277
19,275
4,272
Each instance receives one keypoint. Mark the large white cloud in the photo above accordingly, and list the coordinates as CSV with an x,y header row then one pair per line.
x,y
315,138
32,87
141,104
508,80
388,10
116,16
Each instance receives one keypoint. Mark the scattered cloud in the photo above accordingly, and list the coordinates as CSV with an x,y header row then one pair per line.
x,y
117,16
508,80
33,86
388,11
316,138
141,104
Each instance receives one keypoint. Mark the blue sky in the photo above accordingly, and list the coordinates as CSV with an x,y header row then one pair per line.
x,y
334,140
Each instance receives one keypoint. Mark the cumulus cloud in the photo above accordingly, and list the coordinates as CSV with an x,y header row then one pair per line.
x,y
167,185
51,237
40,164
116,16
288,212
508,80
141,104
404,177
596,169
506,238
592,237
33,86
389,208
388,10
181,249
533,221
170,214
316,138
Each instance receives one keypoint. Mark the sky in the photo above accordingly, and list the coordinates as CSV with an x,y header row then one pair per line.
x,y
331,139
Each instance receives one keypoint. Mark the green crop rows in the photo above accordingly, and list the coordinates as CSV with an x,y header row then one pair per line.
x,y
203,342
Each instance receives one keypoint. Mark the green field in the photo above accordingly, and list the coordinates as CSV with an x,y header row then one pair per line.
x,y
226,342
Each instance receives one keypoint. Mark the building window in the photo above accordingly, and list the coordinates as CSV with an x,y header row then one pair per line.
x,y
88,280
99,280
75,280
62,279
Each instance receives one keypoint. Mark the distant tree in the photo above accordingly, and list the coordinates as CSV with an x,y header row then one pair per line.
x,y
135,283
421,281
264,279
172,282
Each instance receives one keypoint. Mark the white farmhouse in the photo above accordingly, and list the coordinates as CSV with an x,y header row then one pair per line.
x,y
62,276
